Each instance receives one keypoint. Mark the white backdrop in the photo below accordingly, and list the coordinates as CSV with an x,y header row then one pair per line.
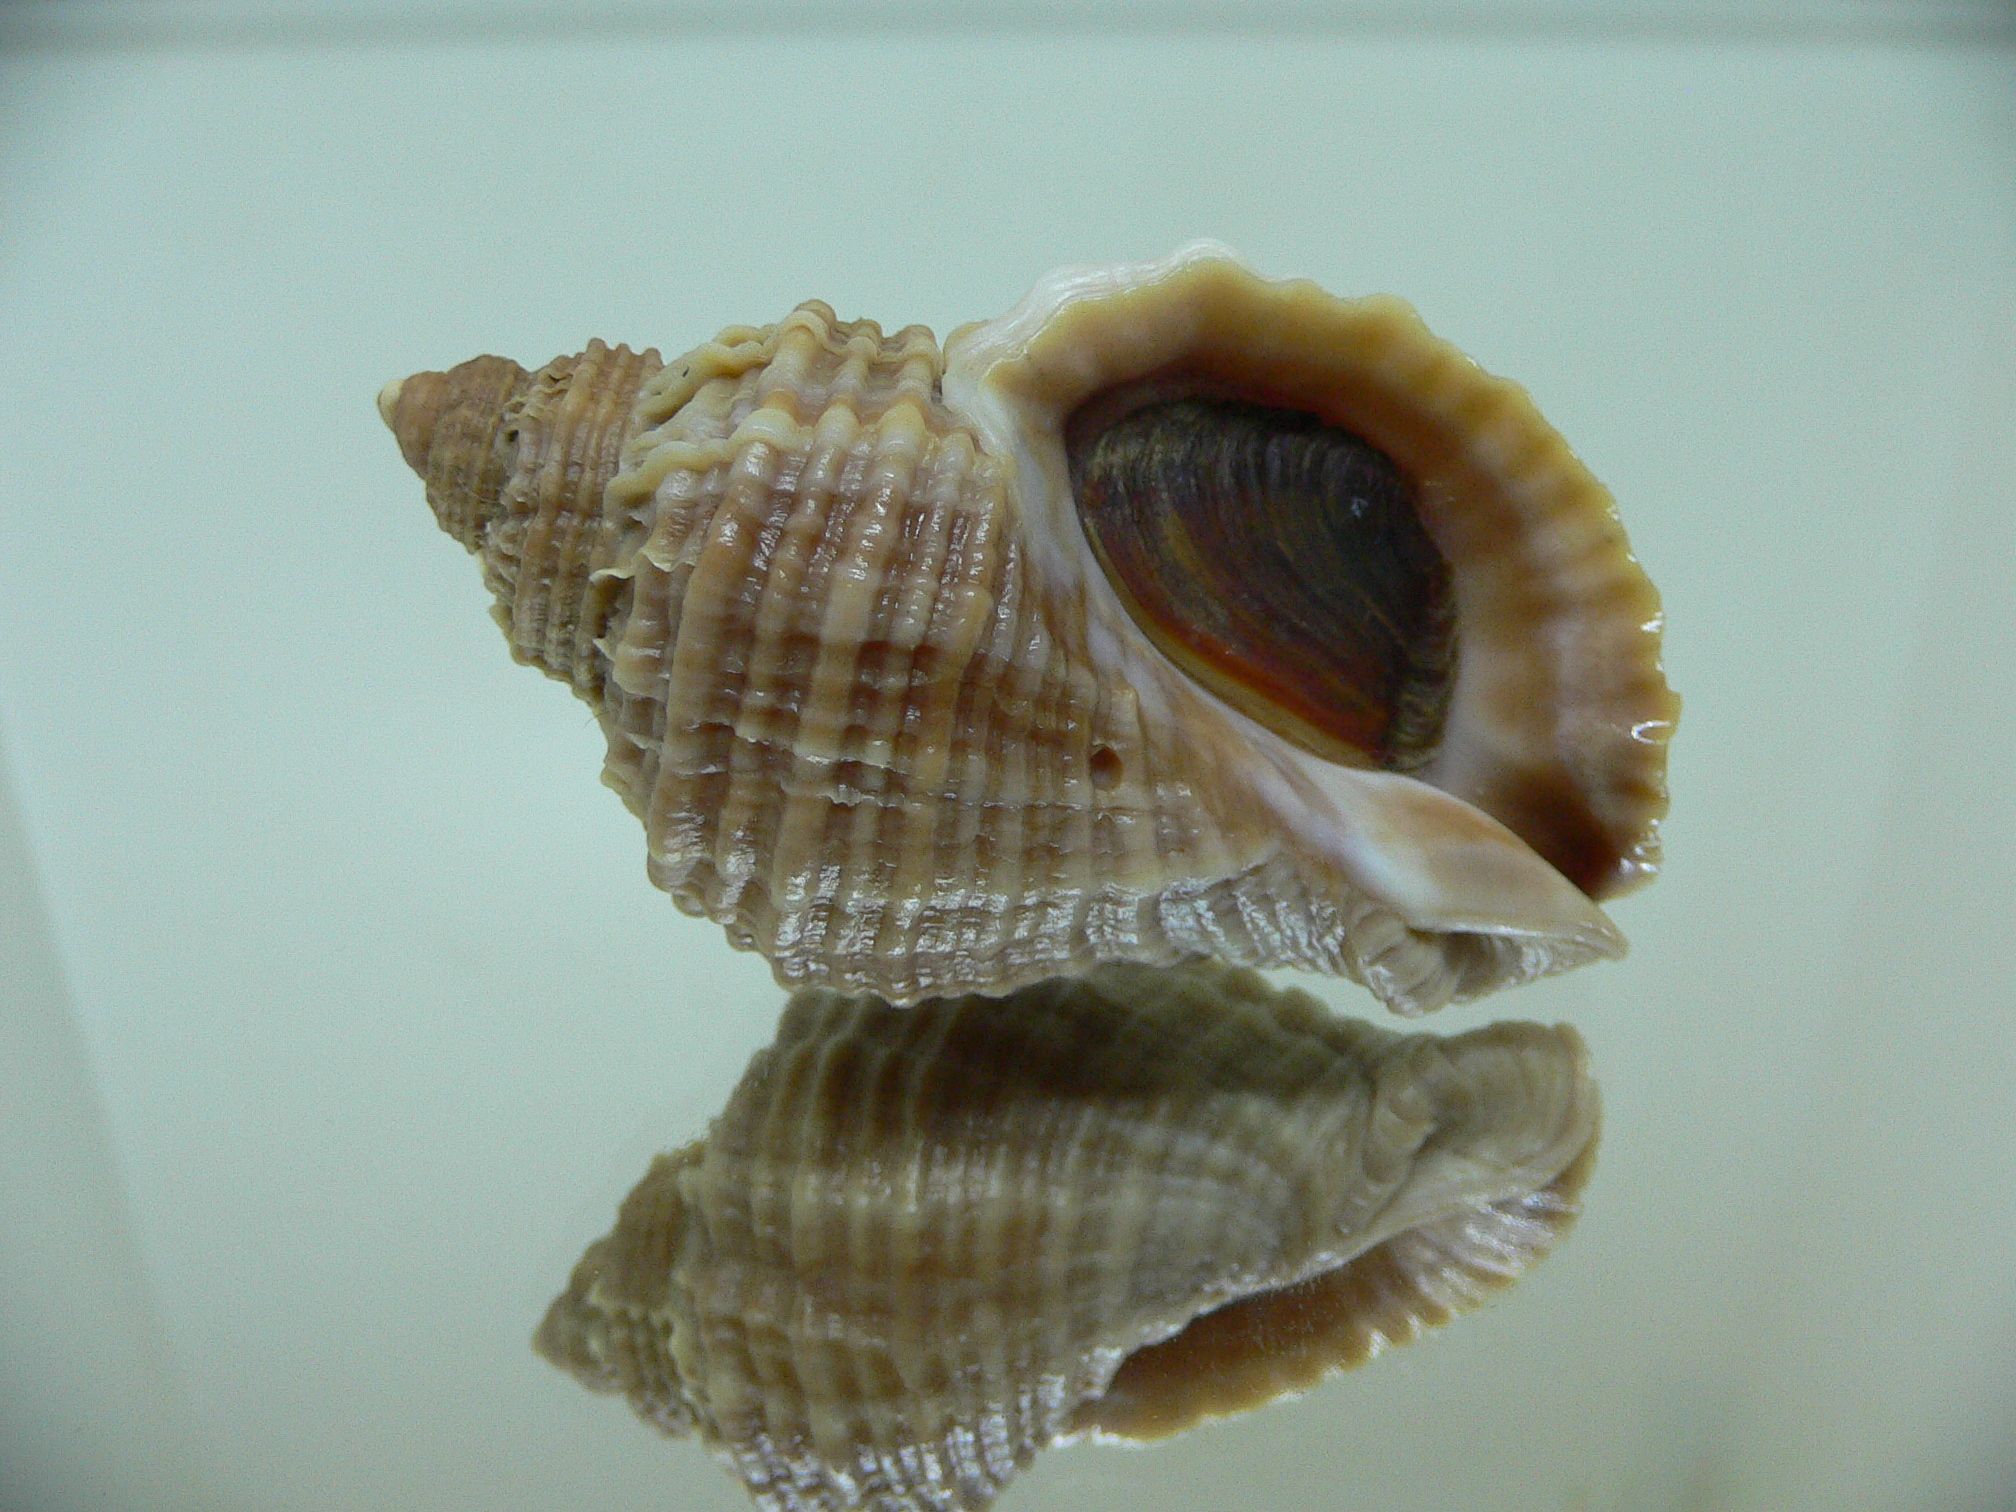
x,y
336,1014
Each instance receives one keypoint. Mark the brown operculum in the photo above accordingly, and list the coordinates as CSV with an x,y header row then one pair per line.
x,y
1279,561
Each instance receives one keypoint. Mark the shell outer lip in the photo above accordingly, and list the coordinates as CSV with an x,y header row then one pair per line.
x,y
1578,726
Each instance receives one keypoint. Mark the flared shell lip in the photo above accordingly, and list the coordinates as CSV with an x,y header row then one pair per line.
x,y
1560,705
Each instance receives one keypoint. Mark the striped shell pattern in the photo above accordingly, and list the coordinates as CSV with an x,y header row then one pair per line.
x,y
899,714
1013,697
920,1245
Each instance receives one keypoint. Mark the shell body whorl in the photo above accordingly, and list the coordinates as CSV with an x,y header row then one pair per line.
x,y
885,718
920,1245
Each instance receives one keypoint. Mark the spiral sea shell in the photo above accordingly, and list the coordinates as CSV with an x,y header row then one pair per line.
x,y
1175,612
919,1245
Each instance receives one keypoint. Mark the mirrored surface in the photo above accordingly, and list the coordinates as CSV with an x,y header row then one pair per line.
x,y
348,1015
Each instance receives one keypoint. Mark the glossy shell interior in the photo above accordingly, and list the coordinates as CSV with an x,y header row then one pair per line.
x,y
885,718
1283,564
1561,711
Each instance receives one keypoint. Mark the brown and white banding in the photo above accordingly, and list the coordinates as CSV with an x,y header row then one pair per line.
x,y
886,719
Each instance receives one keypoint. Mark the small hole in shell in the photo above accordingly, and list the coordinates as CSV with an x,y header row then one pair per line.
x,y
1107,768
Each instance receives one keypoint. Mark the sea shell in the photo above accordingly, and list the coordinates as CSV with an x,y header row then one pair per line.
x,y
921,1244
886,717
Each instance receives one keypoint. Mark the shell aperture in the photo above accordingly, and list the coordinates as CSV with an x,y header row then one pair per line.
x,y
1282,563
919,1245
885,717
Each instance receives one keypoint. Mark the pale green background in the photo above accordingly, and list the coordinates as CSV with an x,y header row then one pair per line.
x,y
336,1013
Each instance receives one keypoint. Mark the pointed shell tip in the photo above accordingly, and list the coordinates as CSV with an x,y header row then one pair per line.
x,y
388,399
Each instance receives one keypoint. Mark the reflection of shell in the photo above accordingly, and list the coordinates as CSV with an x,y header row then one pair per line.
x,y
884,715
920,1245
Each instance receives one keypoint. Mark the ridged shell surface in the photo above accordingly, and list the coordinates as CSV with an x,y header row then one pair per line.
x,y
885,718
920,1245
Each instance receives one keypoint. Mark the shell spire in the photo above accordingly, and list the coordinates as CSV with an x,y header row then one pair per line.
x,y
515,464
449,430
1175,612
